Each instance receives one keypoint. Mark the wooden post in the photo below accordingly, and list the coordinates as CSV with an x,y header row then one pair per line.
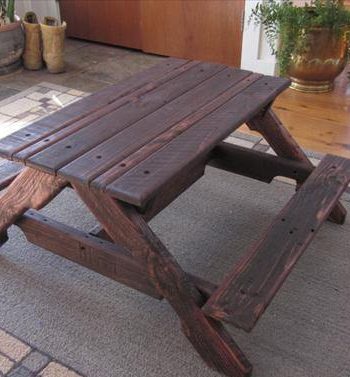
x,y
126,226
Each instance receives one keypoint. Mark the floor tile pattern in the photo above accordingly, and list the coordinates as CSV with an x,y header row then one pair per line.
x,y
19,359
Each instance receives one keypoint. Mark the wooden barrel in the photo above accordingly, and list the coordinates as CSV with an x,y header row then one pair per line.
x,y
11,46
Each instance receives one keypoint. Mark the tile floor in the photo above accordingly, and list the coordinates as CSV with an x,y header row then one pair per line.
x,y
18,359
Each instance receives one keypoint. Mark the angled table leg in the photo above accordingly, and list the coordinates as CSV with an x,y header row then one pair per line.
x,y
126,226
31,189
281,141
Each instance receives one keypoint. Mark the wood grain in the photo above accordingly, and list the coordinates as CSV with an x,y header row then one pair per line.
x,y
76,111
205,30
103,257
73,146
248,289
141,183
31,189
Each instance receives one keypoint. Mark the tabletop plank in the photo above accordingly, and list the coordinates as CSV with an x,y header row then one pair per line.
x,y
78,110
138,185
157,143
71,147
115,149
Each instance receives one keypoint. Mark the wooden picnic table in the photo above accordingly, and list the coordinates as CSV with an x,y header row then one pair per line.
x,y
129,150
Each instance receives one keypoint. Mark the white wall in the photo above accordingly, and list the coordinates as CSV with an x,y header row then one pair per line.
x,y
256,54
41,7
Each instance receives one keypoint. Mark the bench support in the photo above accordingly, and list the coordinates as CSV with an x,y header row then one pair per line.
x,y
248,289
30,189
208,336
280,140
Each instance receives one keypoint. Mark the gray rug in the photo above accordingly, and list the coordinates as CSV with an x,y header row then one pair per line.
x,y
102,329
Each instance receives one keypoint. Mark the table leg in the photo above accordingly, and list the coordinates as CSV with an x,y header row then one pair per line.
x,y
31,189
126,226
282,142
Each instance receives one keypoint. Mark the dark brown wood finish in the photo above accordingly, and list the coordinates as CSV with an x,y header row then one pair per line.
x,y
130,150
208,337
140,184
268,124
249,288
108,259
47,126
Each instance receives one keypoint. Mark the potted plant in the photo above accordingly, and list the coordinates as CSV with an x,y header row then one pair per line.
x,y
11,37
311,42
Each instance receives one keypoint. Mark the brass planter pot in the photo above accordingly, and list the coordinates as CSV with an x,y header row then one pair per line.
x,y
324,59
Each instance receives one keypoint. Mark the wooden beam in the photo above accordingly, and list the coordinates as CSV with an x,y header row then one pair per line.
x,y
98,255
31,189
257,165
248,289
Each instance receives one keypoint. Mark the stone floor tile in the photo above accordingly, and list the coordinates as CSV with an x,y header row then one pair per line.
x,y
12,347
5,364
240,142
57,370
6,92
21,371
18,107
35,361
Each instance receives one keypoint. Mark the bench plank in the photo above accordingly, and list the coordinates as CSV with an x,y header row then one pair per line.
x,y
78,110
248,289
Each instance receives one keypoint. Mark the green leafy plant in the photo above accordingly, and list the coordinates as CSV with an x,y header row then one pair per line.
x,y
287,25
7,11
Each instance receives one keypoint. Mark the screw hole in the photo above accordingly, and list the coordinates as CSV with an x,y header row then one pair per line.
x,y
46,140
123,165
242,291
291,232
98,156
202,70
283,220
68,146
312,230
82,247
146,172
28,134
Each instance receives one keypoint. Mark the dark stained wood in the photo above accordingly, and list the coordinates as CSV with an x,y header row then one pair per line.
x,y
207,336
141,183
255,164
131,150
31,189
272,129
8,172
205,287
101,256
76,111
153,128
70,128
170,191
248,289
158,142
66,150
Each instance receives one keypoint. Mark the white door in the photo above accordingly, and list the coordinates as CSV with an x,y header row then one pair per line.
x,y
256,54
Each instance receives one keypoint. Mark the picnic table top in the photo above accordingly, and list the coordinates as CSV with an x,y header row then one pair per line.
x,y
132,138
